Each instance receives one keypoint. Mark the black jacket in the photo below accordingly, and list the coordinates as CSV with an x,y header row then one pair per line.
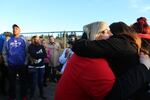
x,y
129,85
119,50
37,52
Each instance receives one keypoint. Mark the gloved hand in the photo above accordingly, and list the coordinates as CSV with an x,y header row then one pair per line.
x,y
145,59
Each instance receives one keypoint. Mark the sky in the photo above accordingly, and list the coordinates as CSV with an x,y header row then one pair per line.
x,y
68,15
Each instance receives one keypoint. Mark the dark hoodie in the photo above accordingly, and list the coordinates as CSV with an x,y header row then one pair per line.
x,y
37,52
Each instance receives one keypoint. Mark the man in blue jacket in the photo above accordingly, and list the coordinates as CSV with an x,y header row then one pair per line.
x,y
15,60
2,72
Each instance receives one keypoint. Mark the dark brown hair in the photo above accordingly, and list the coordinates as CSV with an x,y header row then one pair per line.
x,y
15,25
120,28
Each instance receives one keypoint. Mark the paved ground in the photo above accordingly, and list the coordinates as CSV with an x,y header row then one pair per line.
x,y
49,92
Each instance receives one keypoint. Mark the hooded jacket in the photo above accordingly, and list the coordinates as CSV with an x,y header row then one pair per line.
x,y
15,49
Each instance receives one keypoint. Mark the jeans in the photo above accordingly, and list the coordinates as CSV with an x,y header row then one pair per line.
x,y
36,76
21,70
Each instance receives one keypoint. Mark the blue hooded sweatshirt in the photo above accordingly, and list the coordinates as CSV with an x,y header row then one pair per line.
x,y
16,51
2,39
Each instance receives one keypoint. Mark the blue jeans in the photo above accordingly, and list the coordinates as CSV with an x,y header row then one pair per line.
x,y
36,76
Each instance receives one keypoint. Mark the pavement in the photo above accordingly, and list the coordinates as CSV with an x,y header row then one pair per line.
x,y
49,93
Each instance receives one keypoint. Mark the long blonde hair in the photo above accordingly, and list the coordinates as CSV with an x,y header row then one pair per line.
x,y
95,28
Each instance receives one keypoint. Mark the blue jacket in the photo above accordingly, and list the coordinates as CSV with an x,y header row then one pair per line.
x,y
16,51
2,39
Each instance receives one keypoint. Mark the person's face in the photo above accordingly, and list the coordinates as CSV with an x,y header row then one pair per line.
x,y
29,41
7,36
103,35
41,39
37,40
45,44
141,22
51,40
16,31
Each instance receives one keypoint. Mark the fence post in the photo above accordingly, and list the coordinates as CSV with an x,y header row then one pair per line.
x,y
64,40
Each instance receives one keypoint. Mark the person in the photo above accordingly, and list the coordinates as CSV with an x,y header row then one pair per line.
x,y
131,84
123,44
2,39
143,30
41,38
136,72
67,53
16,60
85,78
120,50
122,88
141,26
36,67
2,67
46,62
143,93
55,53
4,76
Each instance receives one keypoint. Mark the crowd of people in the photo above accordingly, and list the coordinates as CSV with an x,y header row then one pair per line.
x,y
29,63
108,62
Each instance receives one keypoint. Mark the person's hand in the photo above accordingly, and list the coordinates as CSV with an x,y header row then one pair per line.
x,y
145,59
32,60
